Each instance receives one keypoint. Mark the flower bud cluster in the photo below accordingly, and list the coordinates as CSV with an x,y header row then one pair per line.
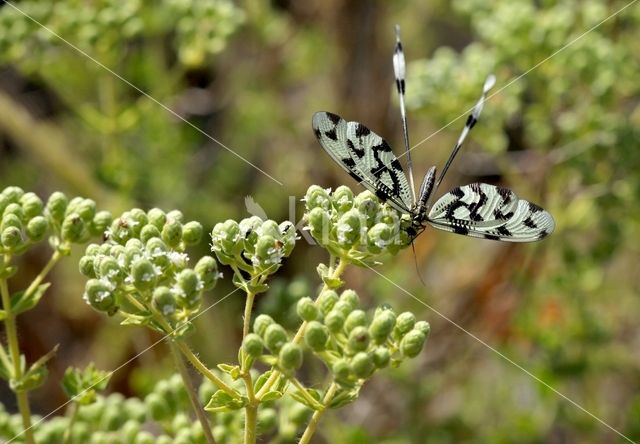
x,y
144,259
271,338
25,220
353,344
253,246
116,419
356,228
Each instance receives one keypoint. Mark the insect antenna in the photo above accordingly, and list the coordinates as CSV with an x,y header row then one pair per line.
x,y
415,261
471,121
399,71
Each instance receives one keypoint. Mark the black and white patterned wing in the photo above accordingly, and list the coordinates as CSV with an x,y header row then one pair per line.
x,y
331,131
379,165
490,212
365,156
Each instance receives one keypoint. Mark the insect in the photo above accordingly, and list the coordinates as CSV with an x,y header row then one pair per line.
x,y
477,210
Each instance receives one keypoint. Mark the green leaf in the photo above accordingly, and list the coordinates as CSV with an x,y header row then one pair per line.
x,y
232,370
21,302
315,394
3,315
133,319
223,402
333,283
271,396
261,380
36,374
344,397
81,385
183,330
7,272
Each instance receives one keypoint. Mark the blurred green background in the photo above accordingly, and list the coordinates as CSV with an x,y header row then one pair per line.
x,y
76,117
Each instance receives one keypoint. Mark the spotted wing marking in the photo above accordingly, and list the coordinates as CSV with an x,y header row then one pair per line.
x,y
357,149
490,212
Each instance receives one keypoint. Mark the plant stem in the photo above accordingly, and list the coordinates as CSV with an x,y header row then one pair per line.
x,y
14,350
337,272
55,257
193,359
305,393
250,423
315,419
74,414
193,397
247,314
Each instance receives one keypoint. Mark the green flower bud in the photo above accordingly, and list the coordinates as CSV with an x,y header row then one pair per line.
x,y
268,251
31,205
37,228
138,220
143,274
319,223
175,215
316,336
11,238
290,357
164,301
190,288
269,227
172,232
327,300
192,232
307,310
358,338
348,228
341,371
120,230
378,237
157,251
405,322
288,237
382,326
57,206
253,345
92,250
317,197
368,206
111,270
412,343
342,199
101,222
357,318
267,420
225,240
149,231
362,365
381,357
261,323
334,320
13,193
157,218
158,408
99,295
4,201
10,220
424,327
16,209
207,270
86,266
299,414
275,337
351,298
343,307
86,209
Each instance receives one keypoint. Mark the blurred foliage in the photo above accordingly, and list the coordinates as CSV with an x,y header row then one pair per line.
x,y
563,135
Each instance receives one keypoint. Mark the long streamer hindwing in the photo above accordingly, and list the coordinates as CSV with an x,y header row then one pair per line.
x,y
490,212
366,156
